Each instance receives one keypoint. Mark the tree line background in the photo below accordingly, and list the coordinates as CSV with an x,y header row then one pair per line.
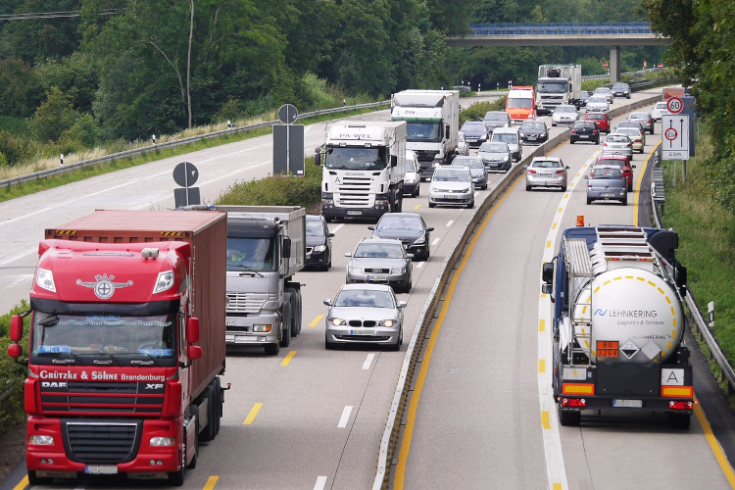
x,y
159,66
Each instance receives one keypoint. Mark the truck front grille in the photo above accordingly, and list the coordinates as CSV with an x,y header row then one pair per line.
x,y
247,302
426,155
141,398
98,442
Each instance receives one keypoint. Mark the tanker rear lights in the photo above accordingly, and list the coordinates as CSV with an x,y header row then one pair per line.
x,y
607,348
574,402
681,405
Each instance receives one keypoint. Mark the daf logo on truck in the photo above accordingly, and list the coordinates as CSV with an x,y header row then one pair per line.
x,y
104,288
54,384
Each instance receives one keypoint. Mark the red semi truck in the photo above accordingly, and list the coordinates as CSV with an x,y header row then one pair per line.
x,y
127,339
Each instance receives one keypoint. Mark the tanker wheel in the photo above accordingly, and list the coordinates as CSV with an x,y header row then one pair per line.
x,y
38,480
569,419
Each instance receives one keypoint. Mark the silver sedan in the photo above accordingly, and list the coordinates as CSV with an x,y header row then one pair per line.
x,y
618,144
380,260
364,314
546,172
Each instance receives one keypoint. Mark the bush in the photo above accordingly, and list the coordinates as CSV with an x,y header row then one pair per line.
x,y
12,374
15,149
476,112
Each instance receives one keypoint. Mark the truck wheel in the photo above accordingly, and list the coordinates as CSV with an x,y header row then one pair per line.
x,y
272,349
569,419
37,480
295,312
218,405
680,421
193,463
176,478
286,332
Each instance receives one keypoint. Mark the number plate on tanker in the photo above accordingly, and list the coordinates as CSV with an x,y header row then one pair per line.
x,y
100,470
628,403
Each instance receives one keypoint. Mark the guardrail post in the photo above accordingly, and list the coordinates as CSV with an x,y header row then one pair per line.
x,y
711,312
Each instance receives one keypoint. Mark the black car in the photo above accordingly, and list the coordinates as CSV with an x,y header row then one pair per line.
x,y
584,131
318,243
583,97
534,132
475,133
409,228
621,89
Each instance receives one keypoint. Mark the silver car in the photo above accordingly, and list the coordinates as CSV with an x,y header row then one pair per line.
x,y
564,114
618,144
364,314
452,186
462,146
606,92
382,261
546,172
496,156
477,169
606,183
597,103
637,138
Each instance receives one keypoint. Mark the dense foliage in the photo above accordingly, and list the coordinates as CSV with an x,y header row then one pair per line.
x,y
159,66
702,52
12,374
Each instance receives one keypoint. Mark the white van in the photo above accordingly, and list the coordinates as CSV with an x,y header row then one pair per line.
x,y
512,137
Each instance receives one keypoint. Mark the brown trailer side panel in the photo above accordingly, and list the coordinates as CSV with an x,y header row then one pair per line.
x,y
207,232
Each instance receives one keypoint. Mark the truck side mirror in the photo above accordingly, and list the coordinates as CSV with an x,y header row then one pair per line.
x,y
286,248
16,328
446,132
15,350
394,160
194,352
681,279
547,272
192,330
317,158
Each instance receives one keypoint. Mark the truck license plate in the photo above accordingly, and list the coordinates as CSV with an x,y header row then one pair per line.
x,y
354,213
628,403
101,470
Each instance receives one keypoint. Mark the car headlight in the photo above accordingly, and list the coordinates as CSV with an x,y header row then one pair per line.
x,y
505,158
388,323
466,189
410,181
320,248
543,135
398,270
420,240
338,322
523,135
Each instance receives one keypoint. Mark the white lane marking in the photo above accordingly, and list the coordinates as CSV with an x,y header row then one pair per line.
x,y
368,361
336,228
436,240
555,468
321,482
420,265
450,223
21,278
345,417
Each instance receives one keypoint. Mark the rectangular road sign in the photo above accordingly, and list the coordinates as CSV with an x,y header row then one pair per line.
x,y
288,149
675,137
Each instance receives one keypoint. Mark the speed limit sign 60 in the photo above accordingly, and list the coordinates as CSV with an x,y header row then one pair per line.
x,y
674,105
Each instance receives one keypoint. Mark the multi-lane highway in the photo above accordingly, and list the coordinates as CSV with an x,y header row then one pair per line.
x,y
313,419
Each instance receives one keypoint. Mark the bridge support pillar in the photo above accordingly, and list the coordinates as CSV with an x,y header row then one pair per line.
x,y
614,64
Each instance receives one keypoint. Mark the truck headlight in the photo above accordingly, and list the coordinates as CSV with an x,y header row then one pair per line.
x,y
163,441
164,282
45,279
261,327
320,248
41,440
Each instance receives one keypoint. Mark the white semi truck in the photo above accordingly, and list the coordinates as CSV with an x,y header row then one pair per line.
x,y
557,85
433,125
618,323
363,169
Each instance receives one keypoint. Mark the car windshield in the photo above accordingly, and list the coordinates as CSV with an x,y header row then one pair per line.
x,y
602,90
251,254
379,251
638,115
661,105
84,338
450,175
393,222
565,109
314,228
494,148
620,86
533,125
473,126
364,299
597,99
516,103
606,173
496,116
546,164
510,138
583,125
340,158
595,116
629,131
468,162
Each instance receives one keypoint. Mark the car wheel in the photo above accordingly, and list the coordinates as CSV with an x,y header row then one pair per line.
x,y
471,204
630,188
563,188
553,124
399,342
589,201
528,188
571,142
625,201
431,204
417,192
409,286
328,345
484,187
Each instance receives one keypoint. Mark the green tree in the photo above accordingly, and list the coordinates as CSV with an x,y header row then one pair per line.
x,y
53,117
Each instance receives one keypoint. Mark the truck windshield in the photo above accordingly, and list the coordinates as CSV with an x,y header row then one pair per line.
x,y
557,87
424,131
251,254
342,158
520,104
104,338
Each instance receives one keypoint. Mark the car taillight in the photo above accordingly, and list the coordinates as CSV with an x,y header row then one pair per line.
x,y
531,171
604,144
594,131
574,131
560,172
629,145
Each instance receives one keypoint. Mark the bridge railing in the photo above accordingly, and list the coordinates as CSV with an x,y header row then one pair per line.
x,y
599,28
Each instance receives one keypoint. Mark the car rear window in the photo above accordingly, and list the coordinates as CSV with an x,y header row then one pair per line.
x,y
606,173
595,116
546,164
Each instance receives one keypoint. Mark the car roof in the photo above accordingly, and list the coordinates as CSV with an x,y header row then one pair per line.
x,y
505,130
380,241
314,217
401,215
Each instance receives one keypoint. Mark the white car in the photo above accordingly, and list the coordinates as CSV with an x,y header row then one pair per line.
x,y
452,186
412,177
597,103
564,114
659,110
463,148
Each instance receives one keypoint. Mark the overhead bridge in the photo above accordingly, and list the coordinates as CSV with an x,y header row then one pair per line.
x,y
564,34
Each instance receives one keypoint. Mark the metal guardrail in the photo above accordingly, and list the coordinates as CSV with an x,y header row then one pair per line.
x,y
696,319
602,28
391,434
171,144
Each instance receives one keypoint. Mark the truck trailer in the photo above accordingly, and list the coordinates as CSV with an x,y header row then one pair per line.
x,y
127,342
557,85
266,246
618,323
433,125
363,169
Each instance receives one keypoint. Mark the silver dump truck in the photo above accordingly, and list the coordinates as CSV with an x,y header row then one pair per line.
x,y
266,246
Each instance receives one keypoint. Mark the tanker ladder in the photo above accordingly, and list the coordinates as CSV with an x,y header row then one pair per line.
x,y
580,273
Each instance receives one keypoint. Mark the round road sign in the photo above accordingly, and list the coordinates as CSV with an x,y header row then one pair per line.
x,y
287,114
186,174
670,134
674,105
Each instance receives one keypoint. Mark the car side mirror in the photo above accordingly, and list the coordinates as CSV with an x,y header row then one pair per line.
x,y
194,352
16,328
410,256
192,330
632,166
371,228
330,235
348,254
327,302
402,304
431,228
586,177
567,167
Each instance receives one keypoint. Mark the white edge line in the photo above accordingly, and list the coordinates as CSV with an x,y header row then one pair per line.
x,y
368,361
345,417
321,482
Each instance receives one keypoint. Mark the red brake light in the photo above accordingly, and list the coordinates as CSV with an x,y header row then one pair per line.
x,y
574,131
629,145
681,405
573,402
560,172
531,171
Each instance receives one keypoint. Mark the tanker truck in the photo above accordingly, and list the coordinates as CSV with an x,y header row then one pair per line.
x,y
618,324
126,345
